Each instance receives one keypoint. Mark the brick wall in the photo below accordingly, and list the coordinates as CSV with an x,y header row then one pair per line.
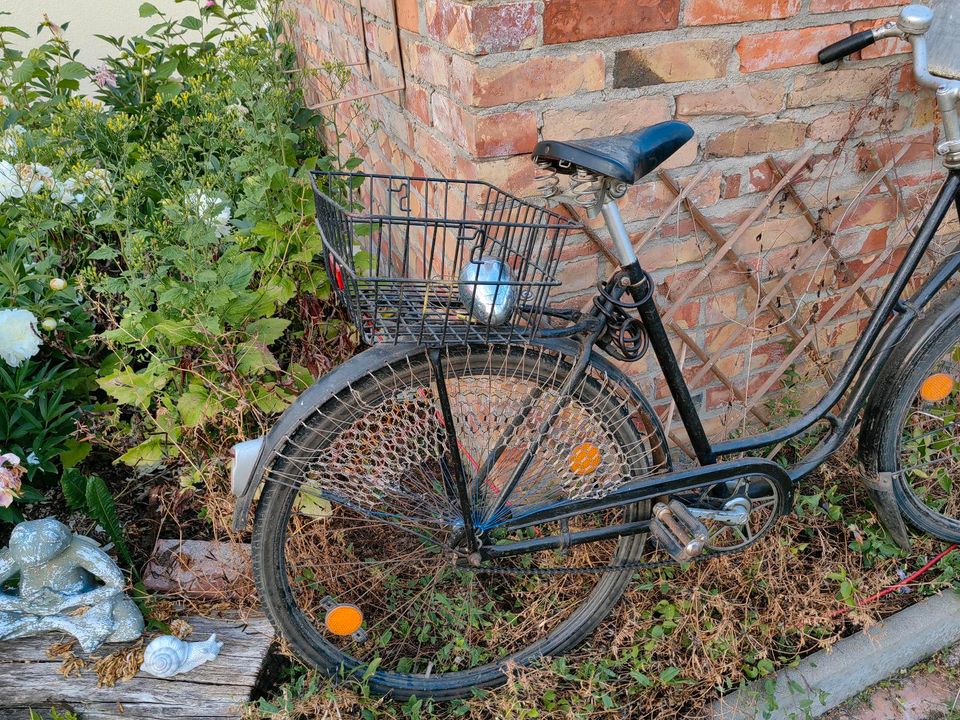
x,y
485,80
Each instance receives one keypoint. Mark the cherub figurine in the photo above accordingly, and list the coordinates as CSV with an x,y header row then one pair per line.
x,y
66,583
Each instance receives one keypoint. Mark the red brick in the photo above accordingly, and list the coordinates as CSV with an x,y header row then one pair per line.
x,y
754,139
787,48
608,118
750,99
483,136
825,6
671,62
408,15
482,29
572,20
417,101
536,78
890,46
717,12
854,123
427,63
822,88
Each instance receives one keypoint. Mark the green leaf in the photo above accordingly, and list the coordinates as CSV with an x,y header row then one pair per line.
x,y
267,330
104,252
73,71
168,91
149,452
253,359
191,23
74,453
148,9
101,507
74,487
132,388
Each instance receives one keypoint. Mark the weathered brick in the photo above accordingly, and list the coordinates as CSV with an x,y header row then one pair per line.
x,y
536,78
825,6
787,48
750,99
822,88
580,274
671,62
753,139
855,123
608,118
417,101
427,63
482,29
482,136
408,15
717,12
572,20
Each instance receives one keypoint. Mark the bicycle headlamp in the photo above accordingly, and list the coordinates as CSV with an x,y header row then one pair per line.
x,y
488,290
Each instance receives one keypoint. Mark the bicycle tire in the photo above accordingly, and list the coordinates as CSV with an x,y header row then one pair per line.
x,y
274,513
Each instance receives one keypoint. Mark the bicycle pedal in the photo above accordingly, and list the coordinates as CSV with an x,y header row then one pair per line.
x,y
677,532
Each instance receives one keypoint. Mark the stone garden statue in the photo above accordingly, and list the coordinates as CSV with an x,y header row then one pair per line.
x,y
66,583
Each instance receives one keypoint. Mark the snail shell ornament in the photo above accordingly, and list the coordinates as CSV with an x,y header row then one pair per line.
x,y
167,655
487,290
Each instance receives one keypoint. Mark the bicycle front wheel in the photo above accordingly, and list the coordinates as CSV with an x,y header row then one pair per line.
x,y
355,534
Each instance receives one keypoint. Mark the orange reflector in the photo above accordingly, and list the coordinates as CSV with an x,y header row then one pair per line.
x,y
343,619
936,387
584,459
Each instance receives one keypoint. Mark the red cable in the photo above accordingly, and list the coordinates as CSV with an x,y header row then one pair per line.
x,y
892,588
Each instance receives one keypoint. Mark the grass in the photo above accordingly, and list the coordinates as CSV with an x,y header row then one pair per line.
x,y
682,637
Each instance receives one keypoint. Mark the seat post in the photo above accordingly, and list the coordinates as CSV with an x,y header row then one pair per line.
x,y
621,239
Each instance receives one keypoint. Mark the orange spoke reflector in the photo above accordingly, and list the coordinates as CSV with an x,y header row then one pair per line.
x,y
936,387
585,459
343,619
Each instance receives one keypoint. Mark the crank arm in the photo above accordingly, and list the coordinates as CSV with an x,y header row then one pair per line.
x,y
728,517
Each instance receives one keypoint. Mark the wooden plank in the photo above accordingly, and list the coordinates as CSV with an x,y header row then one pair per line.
x,y
217,689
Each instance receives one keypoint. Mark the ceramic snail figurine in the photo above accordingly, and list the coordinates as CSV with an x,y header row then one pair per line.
x,y
167,655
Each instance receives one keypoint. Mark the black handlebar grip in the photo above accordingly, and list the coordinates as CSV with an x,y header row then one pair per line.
x,y
847,46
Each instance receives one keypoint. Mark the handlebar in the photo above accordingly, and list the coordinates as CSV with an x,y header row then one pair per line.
x,y
847,46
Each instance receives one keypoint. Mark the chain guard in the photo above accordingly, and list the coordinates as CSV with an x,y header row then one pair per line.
x,y
780,480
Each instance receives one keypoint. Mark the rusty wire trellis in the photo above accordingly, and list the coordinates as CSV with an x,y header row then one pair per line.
x,y
779,298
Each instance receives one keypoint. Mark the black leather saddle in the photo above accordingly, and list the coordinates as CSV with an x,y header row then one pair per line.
x,y
626,157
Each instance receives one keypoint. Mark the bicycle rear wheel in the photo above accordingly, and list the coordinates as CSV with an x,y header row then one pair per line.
x,y
358,519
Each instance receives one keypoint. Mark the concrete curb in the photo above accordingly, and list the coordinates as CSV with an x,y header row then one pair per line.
x,y
827,678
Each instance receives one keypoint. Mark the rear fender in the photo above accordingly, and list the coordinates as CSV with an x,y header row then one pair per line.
x,y
248,474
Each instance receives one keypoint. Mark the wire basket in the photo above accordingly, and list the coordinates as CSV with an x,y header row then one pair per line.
x,y
421,259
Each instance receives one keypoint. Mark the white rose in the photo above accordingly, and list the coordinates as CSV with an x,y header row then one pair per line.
x,y
19,339
66,192
214,211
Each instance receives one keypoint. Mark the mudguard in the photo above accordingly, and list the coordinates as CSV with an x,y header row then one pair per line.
x,y
353,370
877,413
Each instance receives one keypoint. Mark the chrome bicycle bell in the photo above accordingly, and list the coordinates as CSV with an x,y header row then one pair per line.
x,y
487,290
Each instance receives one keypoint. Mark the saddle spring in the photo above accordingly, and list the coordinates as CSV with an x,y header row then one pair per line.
x,y
547,179
625,338
586,188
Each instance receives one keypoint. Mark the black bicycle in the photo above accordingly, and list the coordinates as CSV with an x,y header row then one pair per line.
x,y
477,489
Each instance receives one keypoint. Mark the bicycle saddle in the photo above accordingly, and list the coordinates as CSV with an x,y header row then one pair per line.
x,y
626,157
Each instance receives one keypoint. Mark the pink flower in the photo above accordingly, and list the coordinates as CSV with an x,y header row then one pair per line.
x,y
210,3
10,482
105,77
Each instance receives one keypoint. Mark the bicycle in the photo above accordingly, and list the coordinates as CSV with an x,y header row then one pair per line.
x,y
477,489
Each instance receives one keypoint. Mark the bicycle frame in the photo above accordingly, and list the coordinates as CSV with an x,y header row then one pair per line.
x,y
889,322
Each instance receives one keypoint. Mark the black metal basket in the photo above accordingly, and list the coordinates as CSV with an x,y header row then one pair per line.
x,y
397,250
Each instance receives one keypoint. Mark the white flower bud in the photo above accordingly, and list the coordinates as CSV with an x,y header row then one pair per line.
x,y
58,284
49,324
